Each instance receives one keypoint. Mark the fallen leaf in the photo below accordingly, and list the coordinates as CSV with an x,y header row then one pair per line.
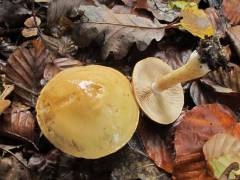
x,y
136,166
6,47
159,8
60,8
217,20
11,169
30,22
54,67
220,151
116,33
156,145
29,32
4,104
234,35
18,124
174,56
202,93
195,128
224,80
25,68
183,4
231,9
196,22
62,46
222,86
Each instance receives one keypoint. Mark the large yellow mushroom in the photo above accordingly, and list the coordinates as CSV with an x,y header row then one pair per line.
x,y
88,111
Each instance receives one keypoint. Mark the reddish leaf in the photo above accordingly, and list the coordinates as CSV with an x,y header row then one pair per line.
x,y
217,20
231,9
18,123
234,34
195,128
25,69
156,146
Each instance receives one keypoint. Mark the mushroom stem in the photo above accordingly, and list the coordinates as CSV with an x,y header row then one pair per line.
x,y
193,69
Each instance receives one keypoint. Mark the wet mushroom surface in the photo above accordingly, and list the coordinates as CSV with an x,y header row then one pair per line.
x,y
119,90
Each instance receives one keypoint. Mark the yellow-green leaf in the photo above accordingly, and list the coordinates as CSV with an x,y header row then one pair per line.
x,y
221,151
196,22
181,4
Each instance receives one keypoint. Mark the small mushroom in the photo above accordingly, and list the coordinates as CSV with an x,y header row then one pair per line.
x,y
157,87
88,111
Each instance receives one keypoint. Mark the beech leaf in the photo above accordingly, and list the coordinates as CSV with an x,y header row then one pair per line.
x,y
234,35
231,9
19,123
25,69
157,144
221,151
116,33
195,128
196,22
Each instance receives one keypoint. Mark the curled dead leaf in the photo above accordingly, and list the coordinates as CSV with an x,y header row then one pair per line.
x,y
25,68
231,9
234,35
221,151
18,124
30,22
195,128
202,93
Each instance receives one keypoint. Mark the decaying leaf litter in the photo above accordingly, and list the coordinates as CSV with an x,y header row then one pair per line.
x,y
40,39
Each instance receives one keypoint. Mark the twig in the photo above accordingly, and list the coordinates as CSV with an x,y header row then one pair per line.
x,y
19,160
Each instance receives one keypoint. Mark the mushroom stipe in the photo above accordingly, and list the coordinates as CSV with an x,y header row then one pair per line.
x,y
157,87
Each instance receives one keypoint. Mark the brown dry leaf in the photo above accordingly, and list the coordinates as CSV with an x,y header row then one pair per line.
x,y
173,55
63,46
224,80
202,93
231,9
18,123
195,128
116,33
59,9
54,67
156,145
11,169
222,86
234,34
159,8
196,22
25,68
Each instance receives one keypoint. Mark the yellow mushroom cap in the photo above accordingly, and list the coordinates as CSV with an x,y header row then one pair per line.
x,y
88,111
162,107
